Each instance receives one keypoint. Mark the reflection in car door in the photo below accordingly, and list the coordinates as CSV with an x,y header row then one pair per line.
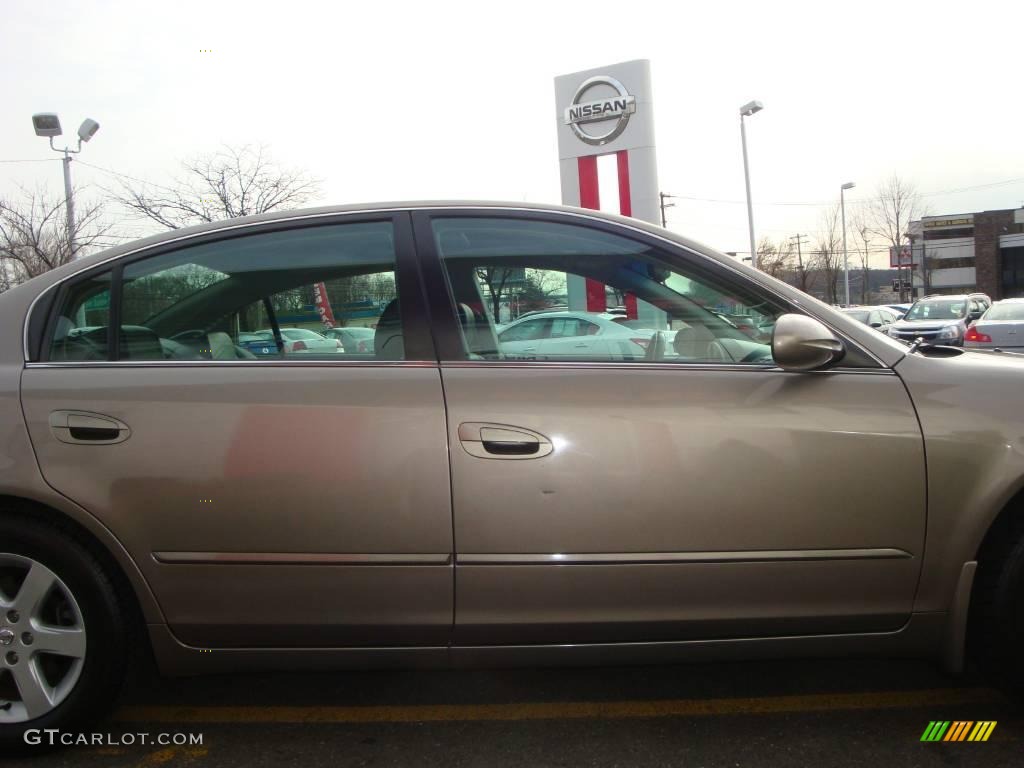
x,y
272,502
678,501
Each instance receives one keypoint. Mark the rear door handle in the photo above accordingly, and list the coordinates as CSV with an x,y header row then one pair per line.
x,y
500,441
84,427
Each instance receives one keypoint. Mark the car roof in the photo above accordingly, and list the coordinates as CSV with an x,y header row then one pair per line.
x,y
570,313
221,225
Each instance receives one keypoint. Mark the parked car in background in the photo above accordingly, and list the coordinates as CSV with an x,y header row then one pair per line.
x,y
299,341
259,343
899,309
575,334
1002,327
940,319
355,339
879,318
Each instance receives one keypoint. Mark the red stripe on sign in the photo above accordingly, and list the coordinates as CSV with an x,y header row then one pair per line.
x,y
590,197
626,209
625,201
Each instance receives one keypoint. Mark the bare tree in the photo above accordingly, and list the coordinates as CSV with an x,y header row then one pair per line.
x,y
495,278
828,255
34,234
888,215
775,259
860,237
221,185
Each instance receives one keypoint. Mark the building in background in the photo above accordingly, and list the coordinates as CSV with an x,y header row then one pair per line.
x,y
964,252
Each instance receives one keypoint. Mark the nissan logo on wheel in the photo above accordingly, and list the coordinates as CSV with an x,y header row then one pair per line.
x,y
617,107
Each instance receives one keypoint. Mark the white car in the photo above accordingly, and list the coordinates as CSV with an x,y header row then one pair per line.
x,y
576,334
304,341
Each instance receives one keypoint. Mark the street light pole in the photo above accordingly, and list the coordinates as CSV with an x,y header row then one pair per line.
x,y
846,262
47,125
69,198
746,111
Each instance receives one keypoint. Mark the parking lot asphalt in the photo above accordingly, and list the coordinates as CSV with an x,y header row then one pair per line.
x,y
767,713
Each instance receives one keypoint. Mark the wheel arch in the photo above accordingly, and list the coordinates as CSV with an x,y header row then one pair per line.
x,y
100,541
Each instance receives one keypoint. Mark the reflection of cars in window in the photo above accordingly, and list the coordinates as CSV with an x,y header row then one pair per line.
x,y
573,334
303,340
354,339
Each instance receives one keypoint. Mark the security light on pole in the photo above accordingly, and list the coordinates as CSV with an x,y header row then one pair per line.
x,y
748,109
47,125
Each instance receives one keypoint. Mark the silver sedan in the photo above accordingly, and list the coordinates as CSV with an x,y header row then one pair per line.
x,y
1002,327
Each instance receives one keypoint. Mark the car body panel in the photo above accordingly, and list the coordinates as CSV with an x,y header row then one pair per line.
x,y
301,463
975,449
686,462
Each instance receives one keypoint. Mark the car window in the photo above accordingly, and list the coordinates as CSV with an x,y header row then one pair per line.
x,y
80,326
526,330
937,309
265,296
564,327
504,268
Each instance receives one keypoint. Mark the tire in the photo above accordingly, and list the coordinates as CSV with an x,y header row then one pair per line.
x,y
997,607
92,681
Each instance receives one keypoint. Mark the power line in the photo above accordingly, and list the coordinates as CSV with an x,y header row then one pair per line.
x,y
126,176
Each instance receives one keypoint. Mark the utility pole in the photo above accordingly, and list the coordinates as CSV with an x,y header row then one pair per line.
x,y
664,205
800,241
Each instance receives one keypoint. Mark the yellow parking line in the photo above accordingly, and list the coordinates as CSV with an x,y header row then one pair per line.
x,y
562,710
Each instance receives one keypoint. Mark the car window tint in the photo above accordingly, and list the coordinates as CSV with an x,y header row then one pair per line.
x,y
264,297
80,327
500,269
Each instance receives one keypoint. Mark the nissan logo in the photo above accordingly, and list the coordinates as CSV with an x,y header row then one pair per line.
x,y
617,108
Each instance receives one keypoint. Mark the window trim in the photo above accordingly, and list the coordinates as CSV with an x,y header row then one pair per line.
x,y
418,338
448,338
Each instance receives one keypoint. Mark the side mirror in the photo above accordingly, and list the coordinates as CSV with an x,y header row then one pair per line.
x,y
876,325
801,343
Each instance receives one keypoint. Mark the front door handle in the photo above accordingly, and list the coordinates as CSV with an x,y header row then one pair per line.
x,y
500,441
91,428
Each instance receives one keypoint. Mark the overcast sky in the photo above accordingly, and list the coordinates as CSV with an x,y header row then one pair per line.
x,y
389,101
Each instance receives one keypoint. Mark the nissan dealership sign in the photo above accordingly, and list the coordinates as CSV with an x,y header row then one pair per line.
x,y
608,113
602,111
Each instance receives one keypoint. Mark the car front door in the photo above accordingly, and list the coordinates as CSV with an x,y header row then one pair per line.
x,y
271,499
699,492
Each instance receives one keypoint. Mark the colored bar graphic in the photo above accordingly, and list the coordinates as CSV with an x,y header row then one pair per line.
x,y
935,730
982,730
958,730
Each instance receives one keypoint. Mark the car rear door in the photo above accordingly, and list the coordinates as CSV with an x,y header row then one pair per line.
x,y
697,494
273,500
